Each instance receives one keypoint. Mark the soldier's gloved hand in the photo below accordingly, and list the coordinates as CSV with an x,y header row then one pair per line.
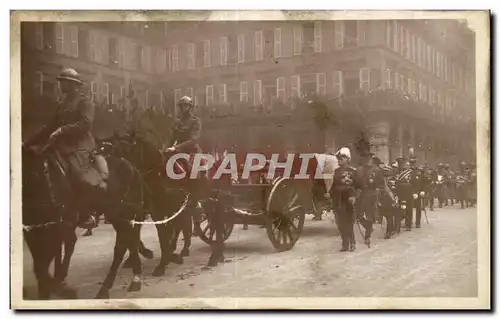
x,y
55,134
415,196
422,194
352,200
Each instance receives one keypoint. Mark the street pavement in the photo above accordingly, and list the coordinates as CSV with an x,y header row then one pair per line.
x,y
437,260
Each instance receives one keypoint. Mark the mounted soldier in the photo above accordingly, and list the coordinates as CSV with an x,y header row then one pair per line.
x,y
74,169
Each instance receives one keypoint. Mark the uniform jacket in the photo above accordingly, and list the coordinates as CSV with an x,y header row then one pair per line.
x,y
74,116
186,134
410,182
346,182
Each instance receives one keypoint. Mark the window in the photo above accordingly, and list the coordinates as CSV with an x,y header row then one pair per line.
x,y
241,48
433,61
39,36
73,31
206,53
189,92
339,34
223,50
413,49
121,53
424,55
244,92
94,52
209,95
454,74
446,67
175,58
396,81
364,79
177,96
105,93
297,40
402,41
438,64
222,93
257,92
59,38
93,91
296,86
361,33
280,89
321,83
429,59
419,52
258,46
318,37
395,37
142,57
388,79
337,89
408,45
161,57
277,43
388,34
190,56
410,86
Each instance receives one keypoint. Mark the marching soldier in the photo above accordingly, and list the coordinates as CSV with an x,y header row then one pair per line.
x,y
449,185
472,187
343,194
371,182
409,188
462,181
73,164
387,205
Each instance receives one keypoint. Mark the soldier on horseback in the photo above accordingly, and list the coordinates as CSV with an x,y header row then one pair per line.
x,y
74,168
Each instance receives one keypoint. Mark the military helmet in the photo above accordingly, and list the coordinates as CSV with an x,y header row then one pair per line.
x,y
446,165
440,165
71,75
185,100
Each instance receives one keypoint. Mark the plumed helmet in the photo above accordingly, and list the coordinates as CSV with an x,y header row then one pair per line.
x,y
344,152
185,100
71,75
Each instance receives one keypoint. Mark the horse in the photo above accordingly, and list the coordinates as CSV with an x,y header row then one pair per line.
x,y
44,229
121,203
160,199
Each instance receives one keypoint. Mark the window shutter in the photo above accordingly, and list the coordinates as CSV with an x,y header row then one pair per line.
x,y
337,88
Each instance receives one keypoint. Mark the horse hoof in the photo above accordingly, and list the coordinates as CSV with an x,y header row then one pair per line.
x,y
134,286
127,264
102,294
159,271
147,253
185,252
177,259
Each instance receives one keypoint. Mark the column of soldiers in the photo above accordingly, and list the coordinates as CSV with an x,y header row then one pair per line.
x,y
359,195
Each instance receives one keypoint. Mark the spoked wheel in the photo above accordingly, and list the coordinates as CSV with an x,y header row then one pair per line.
x,y
207,233
285,214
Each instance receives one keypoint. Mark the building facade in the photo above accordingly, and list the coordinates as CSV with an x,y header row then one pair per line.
x,y
405,83
410,81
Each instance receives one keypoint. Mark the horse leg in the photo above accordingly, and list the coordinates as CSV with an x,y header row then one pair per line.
x,y
166,249
217,254
119,253
134,241
69,241
187,232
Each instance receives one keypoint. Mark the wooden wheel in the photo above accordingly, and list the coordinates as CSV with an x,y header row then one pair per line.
x,y
206,232
285,214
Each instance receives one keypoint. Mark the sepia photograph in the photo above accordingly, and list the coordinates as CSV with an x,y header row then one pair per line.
x,y
250,159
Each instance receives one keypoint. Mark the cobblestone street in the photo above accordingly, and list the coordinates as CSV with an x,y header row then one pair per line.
x,y
438,260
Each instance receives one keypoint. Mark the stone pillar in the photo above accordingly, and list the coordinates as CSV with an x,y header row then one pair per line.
x,y
379,136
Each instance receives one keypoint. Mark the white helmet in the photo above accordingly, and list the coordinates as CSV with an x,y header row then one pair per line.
x,y
344,151
185,100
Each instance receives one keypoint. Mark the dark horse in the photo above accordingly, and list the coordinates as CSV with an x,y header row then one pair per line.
x,y
121,203
165,198
44,230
